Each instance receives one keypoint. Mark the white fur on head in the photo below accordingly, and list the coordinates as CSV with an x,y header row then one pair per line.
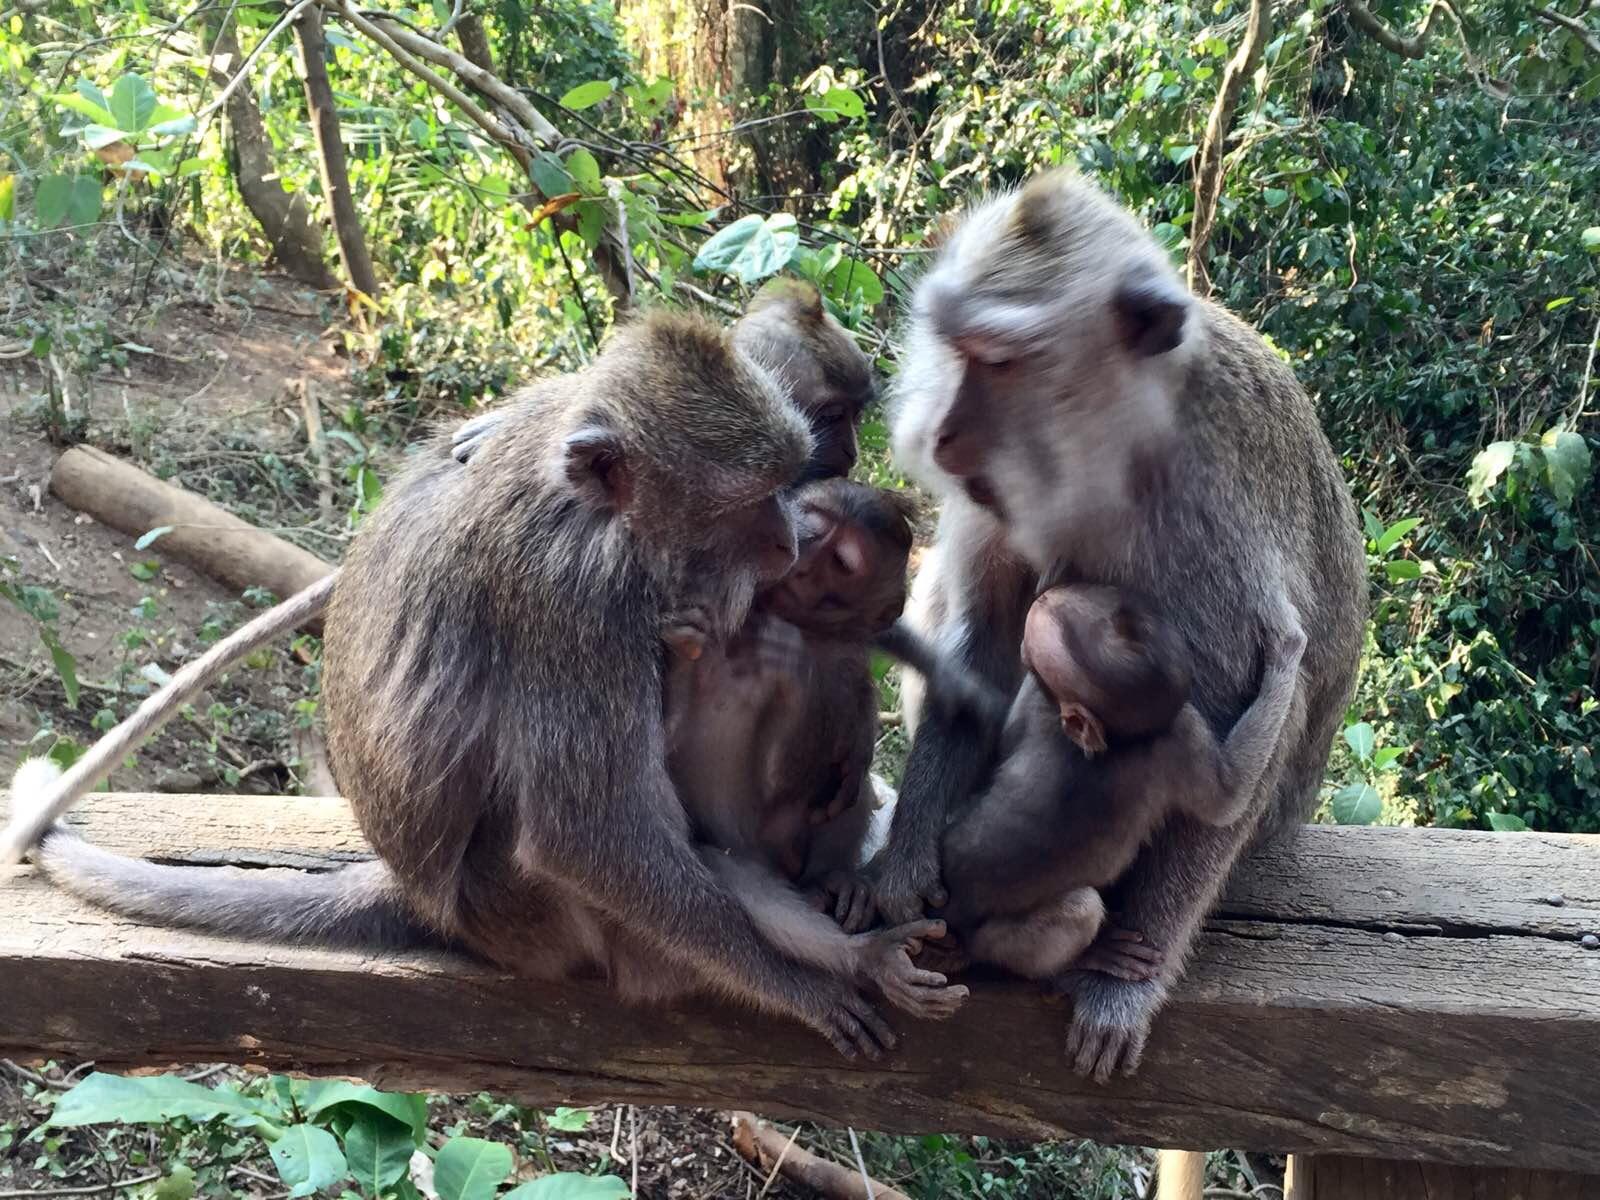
x,y
31,786
1063,434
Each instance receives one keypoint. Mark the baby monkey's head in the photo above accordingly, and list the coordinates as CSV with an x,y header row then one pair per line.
x,y
849,580
1116,669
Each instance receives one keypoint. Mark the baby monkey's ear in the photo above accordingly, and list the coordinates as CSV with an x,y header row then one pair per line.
x,y
1083,727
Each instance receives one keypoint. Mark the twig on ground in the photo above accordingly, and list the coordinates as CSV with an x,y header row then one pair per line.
x,y
760,1143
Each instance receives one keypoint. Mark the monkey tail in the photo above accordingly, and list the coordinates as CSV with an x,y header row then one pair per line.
x,y
358,906
29,822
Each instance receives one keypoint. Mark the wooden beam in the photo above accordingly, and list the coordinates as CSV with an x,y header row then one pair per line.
x,y
1338,1177
1400,994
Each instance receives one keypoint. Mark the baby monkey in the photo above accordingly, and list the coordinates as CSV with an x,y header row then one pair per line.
x,y
1101,745
770,738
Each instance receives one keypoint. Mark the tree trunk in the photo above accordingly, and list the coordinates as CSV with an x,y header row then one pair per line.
x,y
1214,145
330,153
284,217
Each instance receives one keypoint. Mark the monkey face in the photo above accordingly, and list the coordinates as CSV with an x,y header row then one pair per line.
x,y
846,579
1040,362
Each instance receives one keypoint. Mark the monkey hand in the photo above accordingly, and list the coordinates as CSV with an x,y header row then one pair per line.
x,y
1123,954
960,694
470,437
842,1014
905,886
844,798
848,897
1110,1021
943,954
771,649
885,959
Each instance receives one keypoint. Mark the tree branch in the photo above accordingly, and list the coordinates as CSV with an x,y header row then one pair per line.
x,y
1589,38
1414,46
1209,160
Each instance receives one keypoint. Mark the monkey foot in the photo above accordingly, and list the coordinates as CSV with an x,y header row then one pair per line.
x,y
1110,1021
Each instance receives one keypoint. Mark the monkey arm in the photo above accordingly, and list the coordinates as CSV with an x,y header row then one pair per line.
x,y
956,691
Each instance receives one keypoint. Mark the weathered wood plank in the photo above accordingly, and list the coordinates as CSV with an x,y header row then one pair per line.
x,y
1402,994
1337,1177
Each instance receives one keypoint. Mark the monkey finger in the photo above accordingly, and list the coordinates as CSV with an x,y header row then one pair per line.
x,y
881,1038
1112,1044
918,978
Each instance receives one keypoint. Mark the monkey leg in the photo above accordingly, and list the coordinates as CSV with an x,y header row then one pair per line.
x,y
1044,942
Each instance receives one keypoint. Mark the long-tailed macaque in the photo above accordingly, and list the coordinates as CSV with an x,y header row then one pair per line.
x,y
493,690
771,734
1101,747
1078,409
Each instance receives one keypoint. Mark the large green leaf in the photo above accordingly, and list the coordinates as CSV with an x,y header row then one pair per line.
x,y
1505,822
50,200
83,200
1361,738
587,95
8,196
132,103
550,175
1487,467
378,1149
569,1185
319,1095
1390,537
88,101
308,1159
1358,804
470,1169
852,278
1566,463
585,171
752,248
149,1099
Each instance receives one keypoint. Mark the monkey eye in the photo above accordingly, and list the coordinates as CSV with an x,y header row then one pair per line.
x,y
831,414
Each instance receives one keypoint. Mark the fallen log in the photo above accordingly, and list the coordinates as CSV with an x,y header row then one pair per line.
x,y
1415,994
768,1149
203,536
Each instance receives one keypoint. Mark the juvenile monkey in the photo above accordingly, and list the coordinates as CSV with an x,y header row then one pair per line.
x,y
492,683
771,734
1074,404
1101,747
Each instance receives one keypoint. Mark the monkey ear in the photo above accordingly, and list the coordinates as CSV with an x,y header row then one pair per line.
x,y
1083,727
1151,310
597,467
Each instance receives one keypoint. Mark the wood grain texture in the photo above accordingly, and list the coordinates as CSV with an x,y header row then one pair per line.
x,y
1338,1177
1399,994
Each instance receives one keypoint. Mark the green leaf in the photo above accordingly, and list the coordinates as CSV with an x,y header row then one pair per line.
x,y
1387,757
145,571
148,539
308,1159
371,489
50,200
83,200
585,171
1361,738
8,196
550,175
132,103
587,95
569,1185
1181,154
173,128
1387,540
91,106
153,1099
66,666
1590,239
690,218
1358,804
179,1185
97,136
1402,569
1558,302
570,1120
1276,197
1487,467
1505,822
650,99
853,278
837,102
378,1149
752,248
318,1096
1566,463
470,1169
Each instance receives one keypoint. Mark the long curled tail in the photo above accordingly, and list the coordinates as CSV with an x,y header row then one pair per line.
x,y
28,824
358,906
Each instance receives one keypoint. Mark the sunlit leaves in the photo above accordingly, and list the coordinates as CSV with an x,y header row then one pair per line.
x,y
752,248
1357,804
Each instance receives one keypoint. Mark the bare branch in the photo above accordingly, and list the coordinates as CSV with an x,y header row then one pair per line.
x,y
1589,38
1208,161
1414,46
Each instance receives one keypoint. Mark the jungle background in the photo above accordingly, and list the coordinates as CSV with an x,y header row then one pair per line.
x,y
258,248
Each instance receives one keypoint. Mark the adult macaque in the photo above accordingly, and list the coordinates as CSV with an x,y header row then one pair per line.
x,y
786,329
1087,419
492,684
1101,747
770,737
